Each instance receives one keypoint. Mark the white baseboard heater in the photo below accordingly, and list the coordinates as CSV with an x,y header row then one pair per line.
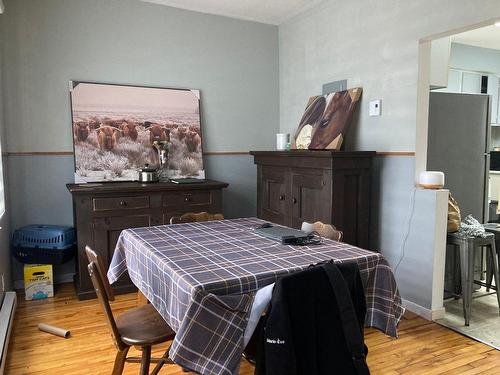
x,y
7,308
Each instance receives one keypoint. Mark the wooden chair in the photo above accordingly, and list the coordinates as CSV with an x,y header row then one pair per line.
x,y
141,327
191,217
324,230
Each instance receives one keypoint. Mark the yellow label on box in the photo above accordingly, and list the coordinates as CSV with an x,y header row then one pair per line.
x,y
38,281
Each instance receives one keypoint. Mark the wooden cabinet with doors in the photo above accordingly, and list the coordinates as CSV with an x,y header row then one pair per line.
x,y
302,185
102,211
272,204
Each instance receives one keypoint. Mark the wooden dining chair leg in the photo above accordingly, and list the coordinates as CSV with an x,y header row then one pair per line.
x,y
146,360
121,356
161,361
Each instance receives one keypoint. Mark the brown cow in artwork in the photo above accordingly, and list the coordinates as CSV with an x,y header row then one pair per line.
x,y
194,128
114,123
181,132
94,124
108,137
158,133
193,141
129,130
81,131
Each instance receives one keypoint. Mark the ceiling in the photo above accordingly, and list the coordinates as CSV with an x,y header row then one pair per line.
x,y
486,37
266,11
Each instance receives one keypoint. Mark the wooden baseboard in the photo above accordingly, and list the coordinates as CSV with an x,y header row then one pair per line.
x,y
7,310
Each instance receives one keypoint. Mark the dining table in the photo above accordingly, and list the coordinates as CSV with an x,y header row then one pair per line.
x,y
203,278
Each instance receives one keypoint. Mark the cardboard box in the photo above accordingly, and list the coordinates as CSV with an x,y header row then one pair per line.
x,y
38,281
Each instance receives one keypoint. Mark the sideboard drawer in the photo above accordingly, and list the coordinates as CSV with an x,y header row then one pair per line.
x,y
120,203
119,223
187,199
102,211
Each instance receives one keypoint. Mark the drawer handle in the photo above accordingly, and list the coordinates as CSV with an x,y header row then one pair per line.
x,y
294,200
123,203
187,199
282,197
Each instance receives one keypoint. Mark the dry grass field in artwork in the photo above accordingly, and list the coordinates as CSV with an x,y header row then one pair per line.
x,y
114,128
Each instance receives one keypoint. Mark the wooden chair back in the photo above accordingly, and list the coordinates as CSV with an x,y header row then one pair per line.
x,y
93,257
192,217
99,283
327,231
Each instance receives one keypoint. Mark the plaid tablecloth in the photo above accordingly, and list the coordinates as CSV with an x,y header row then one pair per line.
x,y
202,277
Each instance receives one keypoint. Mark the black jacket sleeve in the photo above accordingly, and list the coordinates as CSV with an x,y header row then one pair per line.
x,y
276,351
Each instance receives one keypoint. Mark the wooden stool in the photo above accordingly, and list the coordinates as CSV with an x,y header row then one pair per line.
x,y
467,247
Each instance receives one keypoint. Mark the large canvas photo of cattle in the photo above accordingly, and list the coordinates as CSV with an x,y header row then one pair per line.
x,y
115,126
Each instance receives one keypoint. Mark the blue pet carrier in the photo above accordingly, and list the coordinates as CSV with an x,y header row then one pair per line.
x,y
44,244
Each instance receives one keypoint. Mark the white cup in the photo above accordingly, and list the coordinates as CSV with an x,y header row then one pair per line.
x,y
282,140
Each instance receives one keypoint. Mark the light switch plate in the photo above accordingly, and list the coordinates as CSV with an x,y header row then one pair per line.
x,y
376,107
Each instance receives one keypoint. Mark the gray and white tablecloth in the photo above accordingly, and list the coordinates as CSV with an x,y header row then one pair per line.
x,y
202,278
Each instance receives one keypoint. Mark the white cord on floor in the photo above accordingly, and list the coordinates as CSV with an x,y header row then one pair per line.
x,y
405,238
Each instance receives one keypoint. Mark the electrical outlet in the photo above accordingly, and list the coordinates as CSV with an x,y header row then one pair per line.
x,y
376,107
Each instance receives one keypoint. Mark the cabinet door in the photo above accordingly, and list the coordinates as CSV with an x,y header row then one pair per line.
x,y
272,199
495,102
440,62
311,196
471,83
493,91
454,82
106,233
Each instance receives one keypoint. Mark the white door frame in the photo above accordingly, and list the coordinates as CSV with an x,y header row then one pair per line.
x,y
421,134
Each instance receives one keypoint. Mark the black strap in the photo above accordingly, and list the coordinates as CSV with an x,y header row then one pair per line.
x,y
350,325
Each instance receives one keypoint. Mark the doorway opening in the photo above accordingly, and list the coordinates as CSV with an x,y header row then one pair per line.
x,y
458,133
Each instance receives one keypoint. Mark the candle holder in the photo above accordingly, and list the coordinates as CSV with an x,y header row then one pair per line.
x,y
162,147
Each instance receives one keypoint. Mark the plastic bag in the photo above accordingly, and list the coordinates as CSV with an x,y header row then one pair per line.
x,y
454,217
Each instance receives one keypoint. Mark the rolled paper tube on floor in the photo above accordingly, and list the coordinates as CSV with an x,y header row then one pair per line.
x,y
54,330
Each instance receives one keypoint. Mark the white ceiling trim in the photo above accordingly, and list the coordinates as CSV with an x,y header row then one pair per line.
x,y
272,12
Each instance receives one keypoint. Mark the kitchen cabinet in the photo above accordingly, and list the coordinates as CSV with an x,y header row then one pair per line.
x,y
494,188
440,61
102,211
471,83
329,186
493,91
454,82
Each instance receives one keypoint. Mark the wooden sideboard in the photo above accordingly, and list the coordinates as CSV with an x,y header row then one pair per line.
x,y
329,186
102,211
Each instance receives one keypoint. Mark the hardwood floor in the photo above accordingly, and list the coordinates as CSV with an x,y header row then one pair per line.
x,y
422,348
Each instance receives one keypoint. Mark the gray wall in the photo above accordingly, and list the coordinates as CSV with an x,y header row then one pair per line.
x,y
234,63
5,264
403,226
376,47
373,45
